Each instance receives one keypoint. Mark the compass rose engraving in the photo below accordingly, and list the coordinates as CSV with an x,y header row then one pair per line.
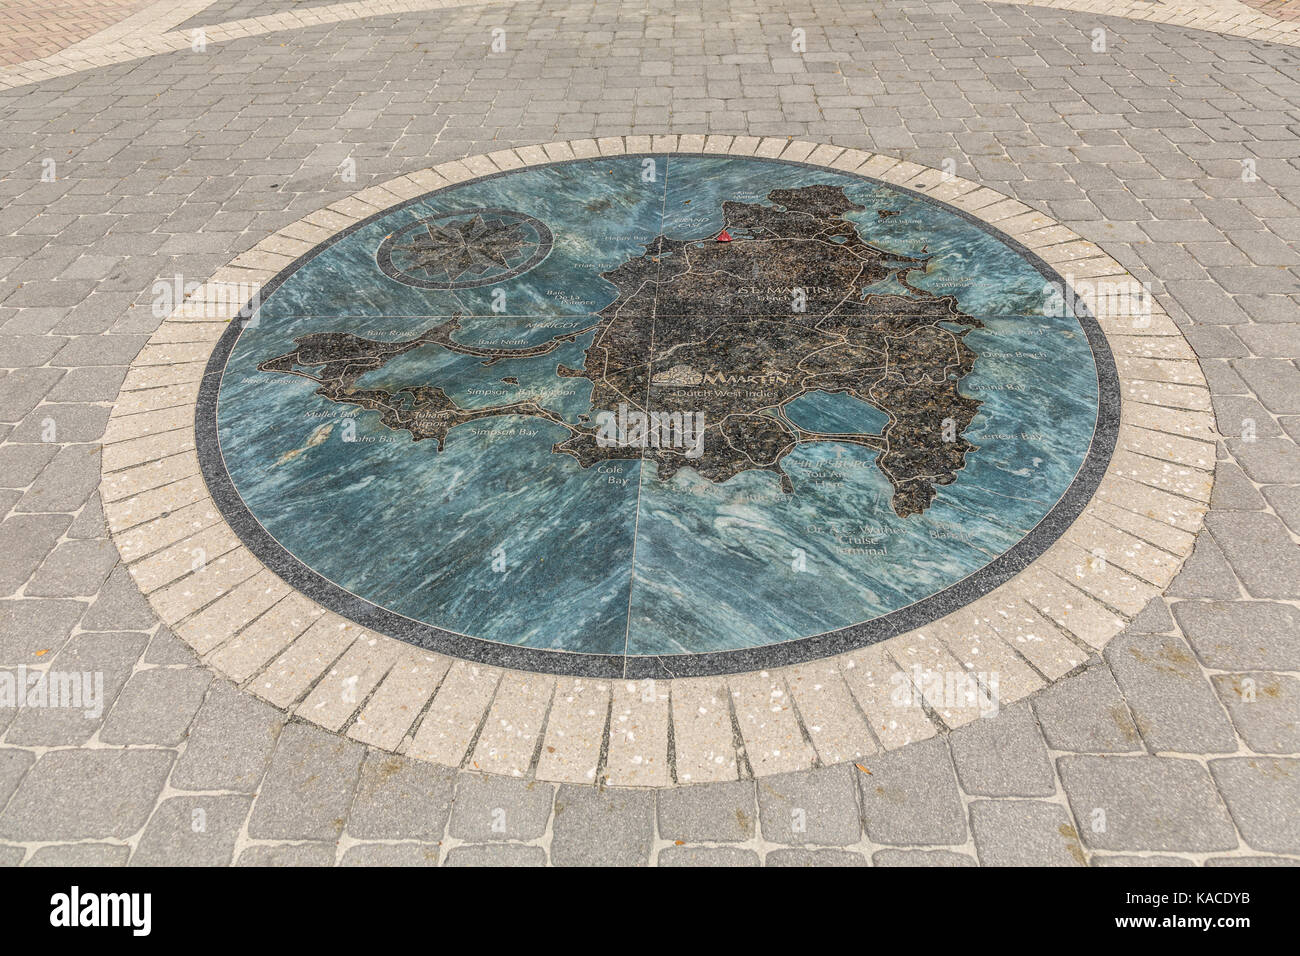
x,y
464,249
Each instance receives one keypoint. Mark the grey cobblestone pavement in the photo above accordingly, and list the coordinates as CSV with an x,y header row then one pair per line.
x,y
1154,753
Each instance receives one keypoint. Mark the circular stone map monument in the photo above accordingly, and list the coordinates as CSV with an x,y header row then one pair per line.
x,y
657,415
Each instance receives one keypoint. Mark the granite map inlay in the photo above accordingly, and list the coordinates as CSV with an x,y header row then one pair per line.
x,y
657,415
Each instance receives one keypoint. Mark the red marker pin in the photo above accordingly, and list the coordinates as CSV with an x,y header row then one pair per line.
x,y
723,236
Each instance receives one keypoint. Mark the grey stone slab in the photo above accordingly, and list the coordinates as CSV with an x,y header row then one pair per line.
x,y
73,569
1265,709
928,858
402,799
595,827
497,854
707,856
89,522
25,540
1268,461
11,855
1145,803
157,706
69,423
288,854
1275,381
1152,619
1263,796
1024,833
911,797
85,678
810,807
230,742
21,464
1285,500
66,482
1233,491
391,854
1242,635
1086,713
13,764
709,813
119,605
491,807
1170,698
801,857
1252,861
308,788
1152,860
166,648
1003,755
32,628
86,794
193,831
1206,574
81,854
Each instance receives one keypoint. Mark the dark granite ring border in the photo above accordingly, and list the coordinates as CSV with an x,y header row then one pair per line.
x,y
330,595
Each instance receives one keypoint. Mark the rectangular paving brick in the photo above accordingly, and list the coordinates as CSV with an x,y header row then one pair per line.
x,y
458,708
638,735
575,731
768,724
703,736
510,733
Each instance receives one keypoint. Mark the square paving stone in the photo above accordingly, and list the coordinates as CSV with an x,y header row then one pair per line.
x,y
928,858
728,856
288,854
810,807
230,742
491,807
595,827
1146,803
1024,833
84,794
308,788
156,706
1168,693
401,799
911,796
497,854
1265,708
90,672
81,854
1242,635
1263,796
391,854
815,858
1003,755
708,812
193,831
